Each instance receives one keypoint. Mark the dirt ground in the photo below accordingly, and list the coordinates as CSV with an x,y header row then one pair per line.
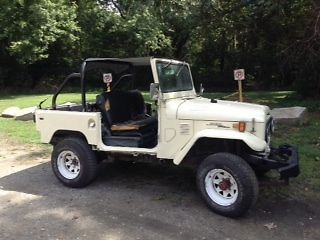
x,y
130,201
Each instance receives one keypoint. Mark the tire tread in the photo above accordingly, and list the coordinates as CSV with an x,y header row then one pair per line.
x,y
87,159
244,176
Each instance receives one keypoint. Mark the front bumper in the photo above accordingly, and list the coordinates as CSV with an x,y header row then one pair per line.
x,y
284,159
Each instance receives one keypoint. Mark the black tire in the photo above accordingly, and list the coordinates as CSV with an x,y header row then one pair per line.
x,y
246,186
85,157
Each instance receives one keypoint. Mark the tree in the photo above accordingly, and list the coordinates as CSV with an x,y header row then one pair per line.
x,y
301,56
277,42
34,31
30,28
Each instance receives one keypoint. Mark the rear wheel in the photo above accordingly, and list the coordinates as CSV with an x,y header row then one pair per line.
x,y
227,184
73,162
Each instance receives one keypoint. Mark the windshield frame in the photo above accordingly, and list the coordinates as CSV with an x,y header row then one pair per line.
x,y
190,92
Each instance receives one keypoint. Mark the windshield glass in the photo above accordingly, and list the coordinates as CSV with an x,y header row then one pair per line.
x,y
174,77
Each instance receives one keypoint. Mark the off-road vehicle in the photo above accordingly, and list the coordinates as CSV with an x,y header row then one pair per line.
x,y
226,142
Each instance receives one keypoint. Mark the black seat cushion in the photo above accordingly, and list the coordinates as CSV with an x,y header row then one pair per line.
x,y
137,105
125,120
125,108
120,106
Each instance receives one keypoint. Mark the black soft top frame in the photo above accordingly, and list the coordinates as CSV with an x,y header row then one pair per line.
x,y
131,62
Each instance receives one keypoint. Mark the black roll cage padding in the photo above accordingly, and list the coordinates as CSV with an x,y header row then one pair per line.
x,y
55,95
81,75
83,87
120,78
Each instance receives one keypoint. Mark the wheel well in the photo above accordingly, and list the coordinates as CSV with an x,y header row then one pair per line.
x,y
61,134
204,147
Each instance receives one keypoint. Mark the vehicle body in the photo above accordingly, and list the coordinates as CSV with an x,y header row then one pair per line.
x,y
224,140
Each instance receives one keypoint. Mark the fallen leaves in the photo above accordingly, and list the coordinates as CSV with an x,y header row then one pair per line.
x,y
270,226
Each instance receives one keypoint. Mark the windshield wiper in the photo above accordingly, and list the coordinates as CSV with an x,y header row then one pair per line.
x,y
180,68
167,65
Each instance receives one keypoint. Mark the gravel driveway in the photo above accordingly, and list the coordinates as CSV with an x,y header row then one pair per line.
x,y
129,201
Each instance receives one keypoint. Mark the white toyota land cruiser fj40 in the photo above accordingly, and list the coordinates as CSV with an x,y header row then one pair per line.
x,y
227,142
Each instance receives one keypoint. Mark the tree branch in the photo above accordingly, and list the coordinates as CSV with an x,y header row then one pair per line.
x,y
117,6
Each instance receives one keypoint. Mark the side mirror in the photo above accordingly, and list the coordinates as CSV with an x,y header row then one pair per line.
x,y
201,90
154,91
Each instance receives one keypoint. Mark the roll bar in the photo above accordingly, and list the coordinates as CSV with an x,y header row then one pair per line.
x,y
55,95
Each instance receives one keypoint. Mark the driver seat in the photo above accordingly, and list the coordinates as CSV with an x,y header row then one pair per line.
x,y
125,120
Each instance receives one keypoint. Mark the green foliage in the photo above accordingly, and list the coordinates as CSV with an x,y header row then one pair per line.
x,y
255,35
277,42
108,34
30,28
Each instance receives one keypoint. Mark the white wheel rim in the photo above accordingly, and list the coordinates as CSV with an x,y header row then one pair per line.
x,y
68,164
221,187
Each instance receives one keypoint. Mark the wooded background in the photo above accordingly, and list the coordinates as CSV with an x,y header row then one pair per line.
x,y
276,41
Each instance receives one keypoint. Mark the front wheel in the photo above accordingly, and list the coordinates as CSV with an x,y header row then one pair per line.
x,y
227,184
73,162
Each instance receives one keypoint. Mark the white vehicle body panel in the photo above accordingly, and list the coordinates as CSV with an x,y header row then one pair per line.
x,y
176,137
173,133
87,123
180,128
251,140
203,109
183,118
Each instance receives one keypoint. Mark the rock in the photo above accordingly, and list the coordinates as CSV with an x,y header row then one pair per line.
x,y
67,104
293,116
25,114
10,112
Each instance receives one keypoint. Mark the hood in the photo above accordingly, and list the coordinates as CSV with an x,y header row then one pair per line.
x,y
204,109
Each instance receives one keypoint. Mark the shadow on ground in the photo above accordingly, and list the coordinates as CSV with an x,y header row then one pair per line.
x,y
136,201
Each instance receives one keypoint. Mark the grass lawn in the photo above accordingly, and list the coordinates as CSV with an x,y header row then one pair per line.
x,y
26,131
306,137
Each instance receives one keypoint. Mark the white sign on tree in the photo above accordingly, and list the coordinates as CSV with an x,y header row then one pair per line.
x,y
238,74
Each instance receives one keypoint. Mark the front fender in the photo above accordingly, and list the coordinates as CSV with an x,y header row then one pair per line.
x,y
251,140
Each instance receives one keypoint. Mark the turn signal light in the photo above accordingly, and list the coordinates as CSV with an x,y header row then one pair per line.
x,y
241,126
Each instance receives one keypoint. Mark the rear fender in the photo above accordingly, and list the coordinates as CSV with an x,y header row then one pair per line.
x,y
49,122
